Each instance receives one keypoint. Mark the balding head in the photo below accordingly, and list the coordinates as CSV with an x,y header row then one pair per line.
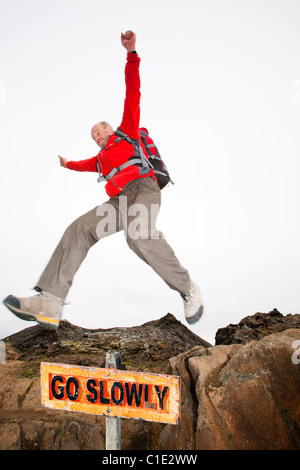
x,y
101,132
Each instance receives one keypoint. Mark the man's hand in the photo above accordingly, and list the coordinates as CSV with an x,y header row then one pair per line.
x,y
63,161
128,40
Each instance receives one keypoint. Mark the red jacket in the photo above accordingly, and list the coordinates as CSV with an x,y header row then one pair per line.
x,y
116,153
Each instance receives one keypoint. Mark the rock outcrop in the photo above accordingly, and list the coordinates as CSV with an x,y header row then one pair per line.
x,y
147,347
256,326
242,394
239,397
24,424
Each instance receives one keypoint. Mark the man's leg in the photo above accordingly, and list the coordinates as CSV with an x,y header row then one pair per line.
x,y
57,278
143,203
146,241
73,247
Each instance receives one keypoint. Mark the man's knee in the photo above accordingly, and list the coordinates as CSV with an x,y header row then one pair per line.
x,y
78,229
140,244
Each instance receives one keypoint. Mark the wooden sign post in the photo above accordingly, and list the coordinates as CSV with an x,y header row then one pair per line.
x,y
112,393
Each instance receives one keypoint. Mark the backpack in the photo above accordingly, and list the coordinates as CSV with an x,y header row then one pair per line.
x,y
158,166
153,159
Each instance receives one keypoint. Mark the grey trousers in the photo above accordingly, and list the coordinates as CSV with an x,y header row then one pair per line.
x,y
134,210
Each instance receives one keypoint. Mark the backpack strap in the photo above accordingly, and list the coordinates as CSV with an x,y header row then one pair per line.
x,y
137,145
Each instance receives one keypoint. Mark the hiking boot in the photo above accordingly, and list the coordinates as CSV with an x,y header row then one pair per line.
x,y
193,305
44,308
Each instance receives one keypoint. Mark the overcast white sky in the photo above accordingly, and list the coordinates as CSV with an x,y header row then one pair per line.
x,y
221,98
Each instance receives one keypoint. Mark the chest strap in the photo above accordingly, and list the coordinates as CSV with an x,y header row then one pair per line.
x,y
116,170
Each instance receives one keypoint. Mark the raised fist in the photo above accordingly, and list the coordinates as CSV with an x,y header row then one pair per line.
x,y
128,40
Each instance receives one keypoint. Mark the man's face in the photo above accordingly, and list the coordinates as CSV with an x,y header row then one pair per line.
x,y
100,135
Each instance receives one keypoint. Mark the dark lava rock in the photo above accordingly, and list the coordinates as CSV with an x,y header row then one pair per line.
x,y
145,347
256,326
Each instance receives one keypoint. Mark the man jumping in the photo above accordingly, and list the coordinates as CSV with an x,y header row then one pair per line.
x,y
132,188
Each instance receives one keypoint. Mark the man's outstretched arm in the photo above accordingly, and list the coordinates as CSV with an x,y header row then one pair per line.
x,y
131,115
89,164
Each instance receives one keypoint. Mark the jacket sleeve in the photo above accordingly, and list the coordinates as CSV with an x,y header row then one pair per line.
x,y
131,115
83,165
